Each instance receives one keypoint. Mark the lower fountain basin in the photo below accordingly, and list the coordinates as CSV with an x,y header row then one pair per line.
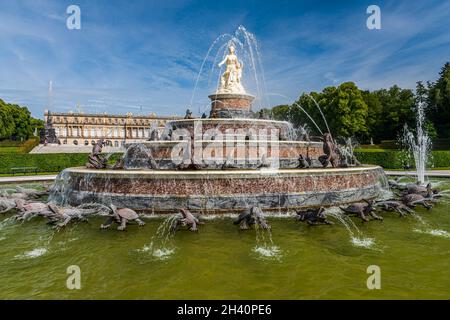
x,y
216,192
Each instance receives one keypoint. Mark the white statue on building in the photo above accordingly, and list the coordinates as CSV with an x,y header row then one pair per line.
x,y
230,81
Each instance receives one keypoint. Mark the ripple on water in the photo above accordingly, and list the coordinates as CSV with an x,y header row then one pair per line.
x,y
362,242
157,253
37,252
268,252
434,232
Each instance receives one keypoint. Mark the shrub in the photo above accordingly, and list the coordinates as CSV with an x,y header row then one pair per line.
x,y
53,162
29,145
441,159
391,159
384,158
10,143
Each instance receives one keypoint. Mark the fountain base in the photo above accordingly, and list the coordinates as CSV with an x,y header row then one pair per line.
x,y
220,191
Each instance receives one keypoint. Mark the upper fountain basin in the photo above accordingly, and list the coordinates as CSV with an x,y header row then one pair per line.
x,y
237,126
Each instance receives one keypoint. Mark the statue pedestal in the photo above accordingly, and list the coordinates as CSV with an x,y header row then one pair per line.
x,y
231,105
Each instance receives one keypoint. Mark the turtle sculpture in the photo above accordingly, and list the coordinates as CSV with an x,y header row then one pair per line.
x,y
13,195
362,209
121,216
426,191
20,204
396,184
185,218
64,215
313,217
252,216
413,188
28,210
411,200
61,216
303,162
7,204
31,193
394,205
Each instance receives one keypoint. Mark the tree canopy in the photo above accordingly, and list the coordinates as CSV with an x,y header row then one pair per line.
x,y
438,99
16,122
378,115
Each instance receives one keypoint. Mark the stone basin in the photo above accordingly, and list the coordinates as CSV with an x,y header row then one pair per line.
x,y
244,152
223,124
220,191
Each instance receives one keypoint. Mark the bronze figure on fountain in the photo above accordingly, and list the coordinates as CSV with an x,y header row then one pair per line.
x,y
96,160
332,154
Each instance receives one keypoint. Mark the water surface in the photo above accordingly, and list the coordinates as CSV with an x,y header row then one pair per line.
x,y
221,262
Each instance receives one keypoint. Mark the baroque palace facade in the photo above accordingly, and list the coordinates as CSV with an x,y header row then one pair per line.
x,y
83,129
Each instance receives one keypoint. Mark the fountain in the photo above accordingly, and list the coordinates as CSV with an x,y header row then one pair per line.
x,y
420,145
225,163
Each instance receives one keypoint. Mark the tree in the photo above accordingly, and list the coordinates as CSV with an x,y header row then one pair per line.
x,y
343,108
16,122
397,110
439,102
6,121
281,112
374,118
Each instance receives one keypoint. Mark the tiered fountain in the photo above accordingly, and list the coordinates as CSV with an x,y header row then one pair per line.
x,y
225,163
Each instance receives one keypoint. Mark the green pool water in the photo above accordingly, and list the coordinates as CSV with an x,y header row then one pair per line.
x,y
221,262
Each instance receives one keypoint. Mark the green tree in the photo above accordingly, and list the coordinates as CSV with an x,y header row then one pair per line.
x,y
343,107
374,119
16,122
398,110
281,112
6,121
439,102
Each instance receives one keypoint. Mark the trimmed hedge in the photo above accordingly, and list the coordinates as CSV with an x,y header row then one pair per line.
x,y
53,162
10,143
438,144
391,159
56,162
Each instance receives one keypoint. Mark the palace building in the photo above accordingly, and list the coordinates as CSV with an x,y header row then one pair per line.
x,y
83,129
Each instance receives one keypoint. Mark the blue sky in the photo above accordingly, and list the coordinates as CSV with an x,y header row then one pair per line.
x,y
145,55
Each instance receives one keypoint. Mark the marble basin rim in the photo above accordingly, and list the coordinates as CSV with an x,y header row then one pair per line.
x,y
234,121
149,173
220,191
